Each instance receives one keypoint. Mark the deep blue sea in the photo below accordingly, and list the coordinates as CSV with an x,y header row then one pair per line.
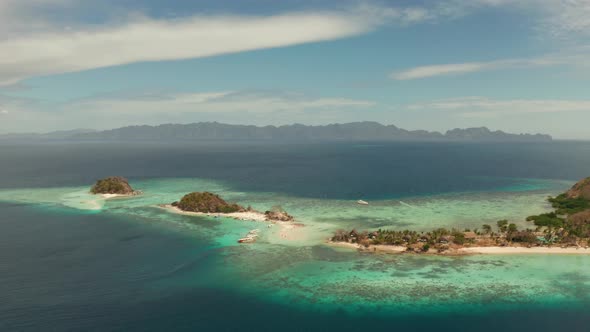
x,y
63,269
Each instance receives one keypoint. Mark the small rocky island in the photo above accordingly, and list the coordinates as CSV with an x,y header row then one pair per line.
x,y
564,230
209,203
277,213
113,186
206,202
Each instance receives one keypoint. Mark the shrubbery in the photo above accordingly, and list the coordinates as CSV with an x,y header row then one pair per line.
x,y
566,205
547,220
112,185
206,202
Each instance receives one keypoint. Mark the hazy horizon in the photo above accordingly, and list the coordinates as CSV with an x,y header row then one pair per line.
x,y
259,126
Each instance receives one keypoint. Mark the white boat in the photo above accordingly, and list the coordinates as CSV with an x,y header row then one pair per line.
x,y
247,239
250,237
361,202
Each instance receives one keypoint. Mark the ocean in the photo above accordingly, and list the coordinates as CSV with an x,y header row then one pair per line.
x,y
69,261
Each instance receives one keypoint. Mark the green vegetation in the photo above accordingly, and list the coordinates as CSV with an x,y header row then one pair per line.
x,y
568,225
438,237
547,220
566,205
112,185
502,225
512,228
206,202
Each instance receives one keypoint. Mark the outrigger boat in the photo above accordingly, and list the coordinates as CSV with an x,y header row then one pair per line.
x,y
250,237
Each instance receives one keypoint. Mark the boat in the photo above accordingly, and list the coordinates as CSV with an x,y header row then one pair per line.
x,y
250,237
247,239
361,202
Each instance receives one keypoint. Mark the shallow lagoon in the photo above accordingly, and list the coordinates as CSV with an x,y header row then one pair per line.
x,y
72,261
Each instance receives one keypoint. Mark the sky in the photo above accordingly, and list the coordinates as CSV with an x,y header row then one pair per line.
x,y
514,65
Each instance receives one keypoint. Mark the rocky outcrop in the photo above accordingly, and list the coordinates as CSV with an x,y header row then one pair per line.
x,y
276,213
113,185
206,202
580,190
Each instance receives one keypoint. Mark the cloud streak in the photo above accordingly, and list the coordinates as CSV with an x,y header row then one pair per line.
x,y
46,46
487,107
420,72
245,107
157,40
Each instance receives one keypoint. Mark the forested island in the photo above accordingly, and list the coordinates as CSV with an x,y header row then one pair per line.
x,y
568,226
113,186
212,204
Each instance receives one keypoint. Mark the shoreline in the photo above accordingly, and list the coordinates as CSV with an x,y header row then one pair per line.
x,y
525,250
244,216
286,231
109,196
466,250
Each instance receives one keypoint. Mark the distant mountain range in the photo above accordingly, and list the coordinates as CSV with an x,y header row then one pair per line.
x,y
356,131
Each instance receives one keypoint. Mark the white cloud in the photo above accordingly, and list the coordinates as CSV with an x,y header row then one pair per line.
x,y
34,43
486,107
51,47
575,59
3,112
213,102
153,40
438,70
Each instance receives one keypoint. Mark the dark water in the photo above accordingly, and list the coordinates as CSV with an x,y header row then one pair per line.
x,y
343,170
62,270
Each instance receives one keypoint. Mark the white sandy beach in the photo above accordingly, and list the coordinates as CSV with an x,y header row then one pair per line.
x,y
524,250
108,196
246,216
472,250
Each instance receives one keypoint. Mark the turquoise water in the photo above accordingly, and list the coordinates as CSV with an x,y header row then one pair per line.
x,y
72,261
301,270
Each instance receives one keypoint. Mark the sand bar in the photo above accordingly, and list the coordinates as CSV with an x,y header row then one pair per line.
x,y
107,196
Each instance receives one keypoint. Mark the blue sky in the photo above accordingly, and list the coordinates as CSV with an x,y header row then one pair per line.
x,y
515,65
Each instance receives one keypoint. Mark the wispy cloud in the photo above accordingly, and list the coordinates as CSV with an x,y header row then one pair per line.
x,y
445,69
214,102
487,107
51,47
575,59
34,42
245,107
155,40
565,18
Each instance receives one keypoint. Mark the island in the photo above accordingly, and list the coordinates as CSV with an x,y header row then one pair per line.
x,y
210,204
565,230
114,186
